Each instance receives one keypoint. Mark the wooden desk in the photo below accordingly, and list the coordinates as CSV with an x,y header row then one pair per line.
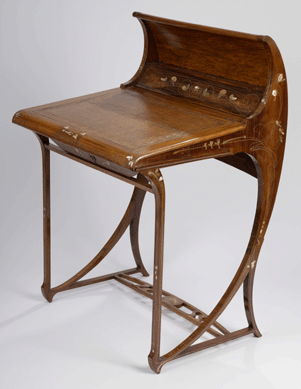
x,y
199,93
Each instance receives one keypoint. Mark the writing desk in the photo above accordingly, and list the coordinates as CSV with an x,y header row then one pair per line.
x,y
199,93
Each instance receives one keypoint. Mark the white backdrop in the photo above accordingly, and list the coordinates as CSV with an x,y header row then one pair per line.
x,y
52,50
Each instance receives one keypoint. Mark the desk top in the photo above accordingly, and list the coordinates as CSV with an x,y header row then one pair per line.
x,y
127,126
196,89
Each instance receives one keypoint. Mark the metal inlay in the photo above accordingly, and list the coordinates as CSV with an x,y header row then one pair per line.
x,y
278,123
280,128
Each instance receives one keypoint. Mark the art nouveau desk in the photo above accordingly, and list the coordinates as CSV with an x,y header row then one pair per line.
x,y
199,93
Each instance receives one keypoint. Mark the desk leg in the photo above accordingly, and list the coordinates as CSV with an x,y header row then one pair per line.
x,y
130,219
134,230
46,286
268,174
156,180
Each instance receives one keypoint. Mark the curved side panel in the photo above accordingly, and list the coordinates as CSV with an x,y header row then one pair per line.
x,y
149,53
225,54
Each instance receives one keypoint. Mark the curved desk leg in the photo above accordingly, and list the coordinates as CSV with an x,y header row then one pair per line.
x,y
130,218
268,178
248,301
157,183
134,230
255,245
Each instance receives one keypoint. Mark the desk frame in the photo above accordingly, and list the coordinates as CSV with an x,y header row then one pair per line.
x,y
152,181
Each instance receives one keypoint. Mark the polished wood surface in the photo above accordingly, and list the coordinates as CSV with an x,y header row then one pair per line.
x,y
211,52
199,93
126,127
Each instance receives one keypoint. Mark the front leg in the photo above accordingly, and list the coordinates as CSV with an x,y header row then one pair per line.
x,y
46,286
157,183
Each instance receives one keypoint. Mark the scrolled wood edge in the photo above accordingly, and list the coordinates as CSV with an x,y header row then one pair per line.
x,y
149,53
144,57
